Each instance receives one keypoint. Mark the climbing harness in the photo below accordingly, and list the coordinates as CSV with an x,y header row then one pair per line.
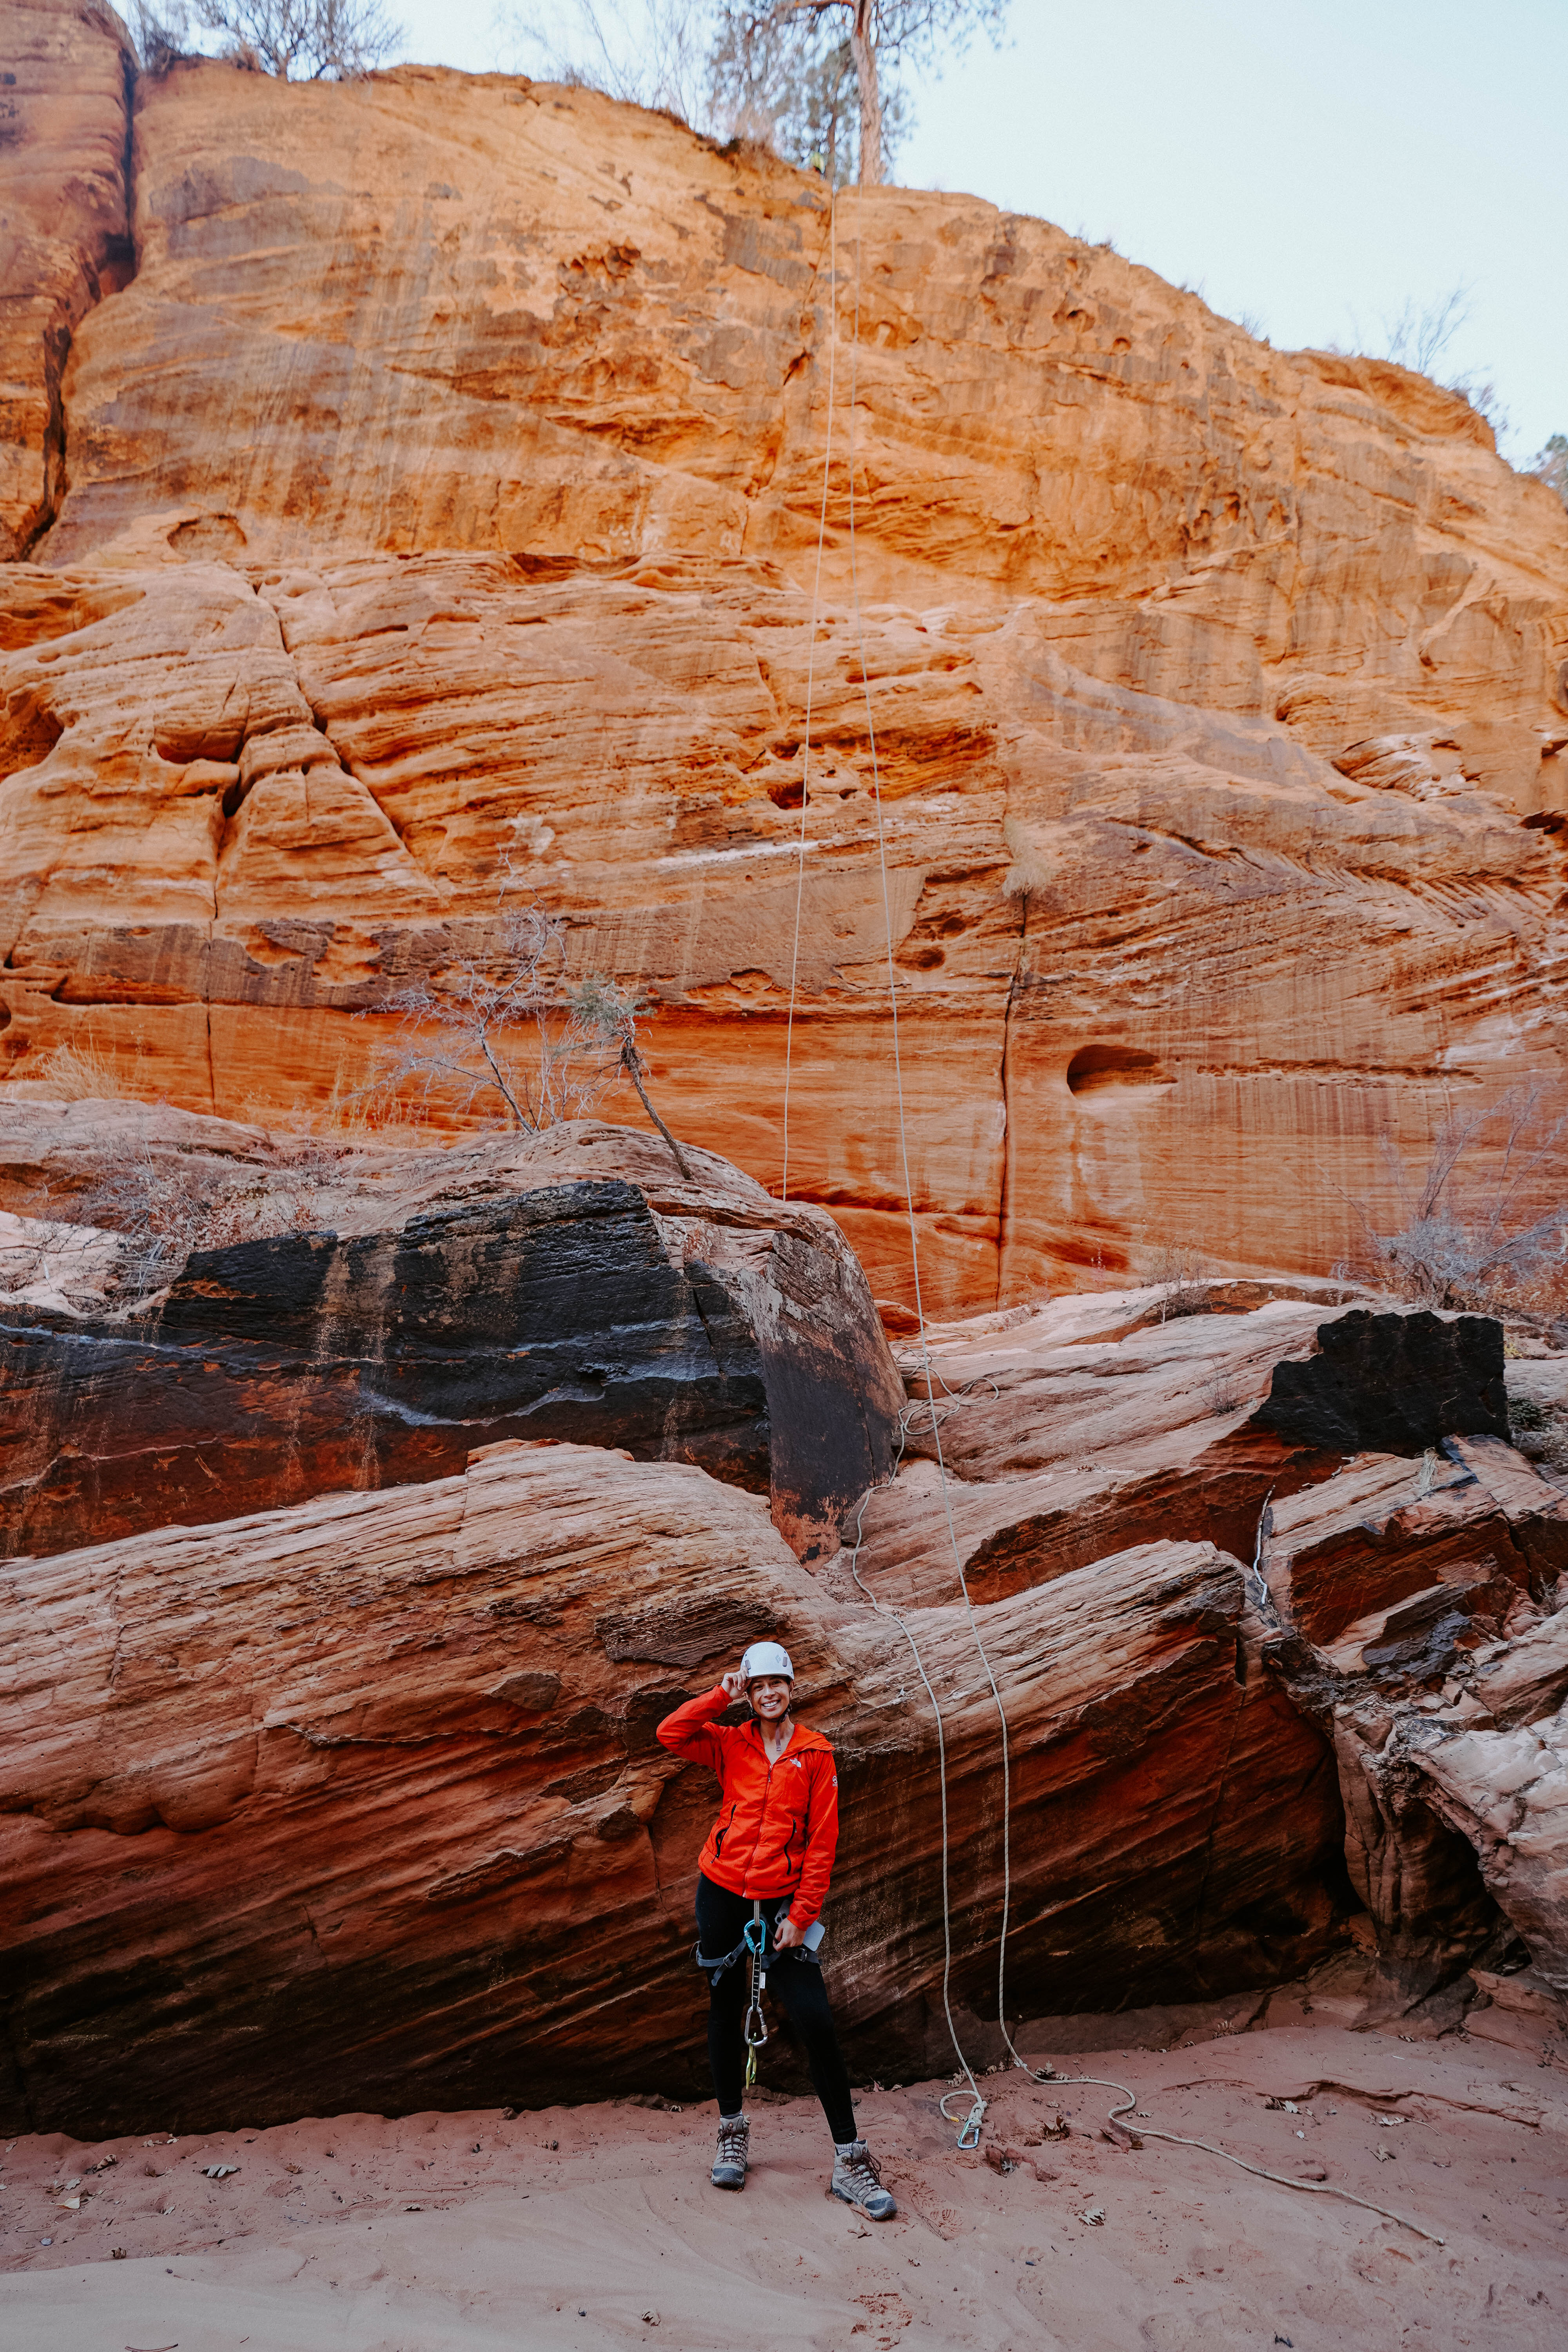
x,y
714,1970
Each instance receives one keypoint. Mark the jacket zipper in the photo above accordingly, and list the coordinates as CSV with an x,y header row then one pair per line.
x,y
767,1786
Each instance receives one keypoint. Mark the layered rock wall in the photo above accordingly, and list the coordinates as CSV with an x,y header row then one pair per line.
x,y
66,86
359,1805
441,510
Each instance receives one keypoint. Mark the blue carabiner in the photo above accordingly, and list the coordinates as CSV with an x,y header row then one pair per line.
x,y
756,1935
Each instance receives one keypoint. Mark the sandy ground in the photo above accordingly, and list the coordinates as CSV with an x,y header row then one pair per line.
x,y
594,2227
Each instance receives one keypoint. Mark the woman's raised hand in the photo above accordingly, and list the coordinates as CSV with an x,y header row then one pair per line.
x,y
734,1685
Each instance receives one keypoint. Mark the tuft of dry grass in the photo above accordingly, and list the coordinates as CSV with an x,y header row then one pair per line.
x,y
77,1072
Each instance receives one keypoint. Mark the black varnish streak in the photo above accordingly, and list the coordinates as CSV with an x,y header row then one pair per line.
x,y
279,1369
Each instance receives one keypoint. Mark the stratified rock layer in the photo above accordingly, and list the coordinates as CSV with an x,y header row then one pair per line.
x,y
359,1805
64,230
442,506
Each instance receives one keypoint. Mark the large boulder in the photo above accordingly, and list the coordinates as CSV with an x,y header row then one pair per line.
x,y
358,1804
572,1285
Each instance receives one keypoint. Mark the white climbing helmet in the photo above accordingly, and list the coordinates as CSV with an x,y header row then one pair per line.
x,y
766,1658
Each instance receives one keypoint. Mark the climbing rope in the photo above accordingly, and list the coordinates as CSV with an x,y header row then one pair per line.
x,y
1126,2099
970,2129
969,2136
811,664
969,2133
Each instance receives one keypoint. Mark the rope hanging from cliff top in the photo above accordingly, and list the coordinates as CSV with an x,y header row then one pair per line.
x,y
969,2132
811,664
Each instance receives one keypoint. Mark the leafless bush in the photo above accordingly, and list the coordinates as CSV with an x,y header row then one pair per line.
x,y
1466,1240
167,1206
653,55
161,33
312,40
1418,338
1551,465
509,1031
1182,1277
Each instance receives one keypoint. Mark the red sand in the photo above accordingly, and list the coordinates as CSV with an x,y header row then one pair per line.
x,y
573,2227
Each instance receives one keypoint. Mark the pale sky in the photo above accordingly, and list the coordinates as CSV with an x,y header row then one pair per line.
x,y
1316,167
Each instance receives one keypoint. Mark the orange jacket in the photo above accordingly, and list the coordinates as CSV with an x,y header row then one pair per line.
x,y
777,1830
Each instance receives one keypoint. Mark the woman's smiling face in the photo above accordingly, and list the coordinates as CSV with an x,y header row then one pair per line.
x,y
770,1695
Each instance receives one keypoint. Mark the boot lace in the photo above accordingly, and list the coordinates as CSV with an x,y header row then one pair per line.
x,y
733,2138
860,2169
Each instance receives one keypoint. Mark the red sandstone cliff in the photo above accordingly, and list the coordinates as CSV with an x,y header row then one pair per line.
x,y
417,480
443,485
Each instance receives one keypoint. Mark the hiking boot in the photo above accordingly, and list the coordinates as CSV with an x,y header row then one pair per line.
x,y
734,2152
856,2180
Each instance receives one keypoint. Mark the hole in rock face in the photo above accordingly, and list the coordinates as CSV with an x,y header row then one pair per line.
x,y
1097,1069
787,795
207,539
27,735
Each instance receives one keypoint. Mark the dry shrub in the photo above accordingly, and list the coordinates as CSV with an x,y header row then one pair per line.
x,y
501,1025
167,1206
1467,1241
1183,1276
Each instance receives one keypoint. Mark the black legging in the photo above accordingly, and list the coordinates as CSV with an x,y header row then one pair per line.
x,y
794,1982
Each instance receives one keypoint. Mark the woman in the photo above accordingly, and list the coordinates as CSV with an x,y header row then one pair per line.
x,y
773,1840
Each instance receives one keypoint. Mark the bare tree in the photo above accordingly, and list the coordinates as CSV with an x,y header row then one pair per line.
x,y
1551,465
601,1011
509,1026
798,91
310,40
881,38
817,77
